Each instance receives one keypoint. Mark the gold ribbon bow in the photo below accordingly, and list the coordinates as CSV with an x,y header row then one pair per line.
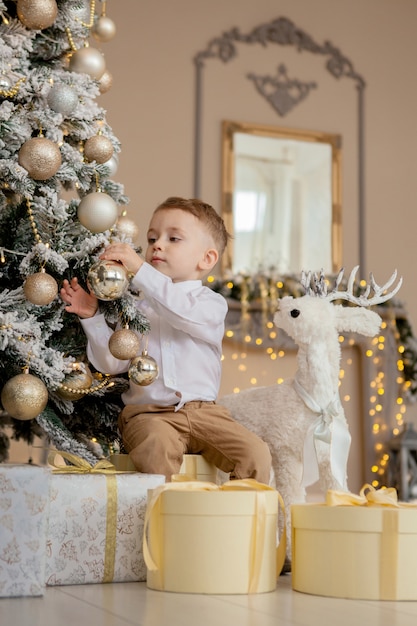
x,y
248,484
368,496
103,466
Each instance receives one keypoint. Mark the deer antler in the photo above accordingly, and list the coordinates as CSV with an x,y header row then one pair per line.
x,y
380,293
316,287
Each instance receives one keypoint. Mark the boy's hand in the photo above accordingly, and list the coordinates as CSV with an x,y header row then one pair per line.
x,y
78,301
123,253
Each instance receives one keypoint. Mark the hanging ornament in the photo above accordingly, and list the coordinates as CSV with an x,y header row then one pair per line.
x,y
143,370
62,99
97,211
41,157
108,280
127,227
37,14
105,83
89,61
40,288
24,396
98,148
124,344
76,383
104,29
112,164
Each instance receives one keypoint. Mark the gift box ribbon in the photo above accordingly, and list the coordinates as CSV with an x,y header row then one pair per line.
x,y
258,539
103,466
386,498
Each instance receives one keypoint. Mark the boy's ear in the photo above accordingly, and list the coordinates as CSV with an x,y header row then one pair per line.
x,y
209,260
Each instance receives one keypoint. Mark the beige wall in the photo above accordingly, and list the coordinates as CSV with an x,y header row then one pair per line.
x,y
151,109
151,106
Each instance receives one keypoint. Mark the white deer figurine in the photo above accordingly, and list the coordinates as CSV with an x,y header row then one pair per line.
x,y
302,419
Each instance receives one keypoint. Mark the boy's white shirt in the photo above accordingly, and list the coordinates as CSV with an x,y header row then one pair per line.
x,y
187,328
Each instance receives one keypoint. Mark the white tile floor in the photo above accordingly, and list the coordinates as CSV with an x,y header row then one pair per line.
x,y
121,604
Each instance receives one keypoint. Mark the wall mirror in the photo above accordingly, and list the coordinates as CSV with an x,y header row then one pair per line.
x,y
281,199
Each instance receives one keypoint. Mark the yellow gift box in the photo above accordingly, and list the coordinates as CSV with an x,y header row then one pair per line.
x,y
203,538
193,467
362,547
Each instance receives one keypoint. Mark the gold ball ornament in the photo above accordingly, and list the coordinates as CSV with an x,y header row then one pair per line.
x,y
75,384
126,226
143,370
88,61
98,148
105,83
104,29
108,280
62,99
37,14
40,288
24,396
41,157
97,211
124,344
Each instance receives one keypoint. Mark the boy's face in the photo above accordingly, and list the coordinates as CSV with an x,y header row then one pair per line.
x,y
179,246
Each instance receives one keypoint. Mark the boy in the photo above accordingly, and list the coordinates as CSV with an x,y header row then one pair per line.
x,y
177,413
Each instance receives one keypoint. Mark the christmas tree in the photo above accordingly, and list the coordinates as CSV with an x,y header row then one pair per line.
x,y
59,208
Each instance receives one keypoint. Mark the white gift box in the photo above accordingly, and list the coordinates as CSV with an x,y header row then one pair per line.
x,y
23,518
95,527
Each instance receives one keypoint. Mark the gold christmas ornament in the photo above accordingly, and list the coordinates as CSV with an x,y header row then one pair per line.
x,y
98,148
124,344
62,99
97,211
127,227
41,157
76,383
37,14
105,83
104,29
143,370
108,280
24,396
88,61
40,288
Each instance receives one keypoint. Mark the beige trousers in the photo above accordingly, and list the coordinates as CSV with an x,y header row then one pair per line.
x,y
156,439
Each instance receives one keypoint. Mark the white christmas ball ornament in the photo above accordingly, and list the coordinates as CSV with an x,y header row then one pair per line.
x,y
112,164
97,211
104,29
62,99
88,61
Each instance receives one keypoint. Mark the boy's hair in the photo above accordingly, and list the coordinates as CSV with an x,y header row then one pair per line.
x,y
203,212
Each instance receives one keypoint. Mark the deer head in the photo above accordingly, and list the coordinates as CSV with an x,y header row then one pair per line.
x,y
314,315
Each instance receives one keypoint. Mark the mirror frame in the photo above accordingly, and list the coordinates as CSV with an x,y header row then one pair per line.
x,y
229,128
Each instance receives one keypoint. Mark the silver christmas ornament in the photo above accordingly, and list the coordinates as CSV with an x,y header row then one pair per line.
x,y
41,157
88,61
40,288
97,211
24,396
104,29
108,280
62,99
98,148
112,164
5,83
124,344
143,370
37,14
